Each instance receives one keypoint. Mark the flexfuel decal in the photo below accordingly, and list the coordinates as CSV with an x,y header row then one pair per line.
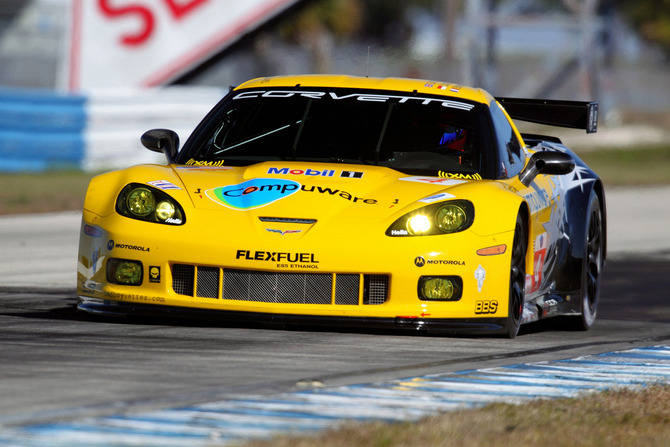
x,y
253,193
283,259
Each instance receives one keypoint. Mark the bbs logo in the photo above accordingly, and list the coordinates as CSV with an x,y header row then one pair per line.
x,y
486,307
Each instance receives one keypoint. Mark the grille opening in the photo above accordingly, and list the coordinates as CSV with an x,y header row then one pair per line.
x,y
278,287
182,279
287,220
375,289
208,282
346,289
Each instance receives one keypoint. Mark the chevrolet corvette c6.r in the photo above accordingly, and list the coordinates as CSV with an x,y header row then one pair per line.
x,y
377,203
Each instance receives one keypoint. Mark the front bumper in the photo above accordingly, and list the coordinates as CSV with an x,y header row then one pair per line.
x,y
357,280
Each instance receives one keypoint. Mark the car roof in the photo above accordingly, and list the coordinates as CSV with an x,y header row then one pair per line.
x,y
394,84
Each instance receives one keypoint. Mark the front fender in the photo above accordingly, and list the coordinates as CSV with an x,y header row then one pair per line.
x,y
496,208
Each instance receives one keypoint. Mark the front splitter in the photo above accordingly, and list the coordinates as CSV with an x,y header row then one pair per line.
x,y
470,326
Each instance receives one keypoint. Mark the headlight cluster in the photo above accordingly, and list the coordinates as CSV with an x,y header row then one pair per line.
x,y
439,218
144,202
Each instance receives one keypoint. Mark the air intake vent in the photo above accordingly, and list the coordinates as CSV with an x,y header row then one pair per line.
x,y
287,220
279,287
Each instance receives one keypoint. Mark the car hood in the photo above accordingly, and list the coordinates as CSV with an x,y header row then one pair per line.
x,y
312,190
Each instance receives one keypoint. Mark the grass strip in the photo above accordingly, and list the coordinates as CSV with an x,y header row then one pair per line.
x,y
612,418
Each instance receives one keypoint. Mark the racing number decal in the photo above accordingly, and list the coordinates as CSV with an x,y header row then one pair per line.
x,y
540,249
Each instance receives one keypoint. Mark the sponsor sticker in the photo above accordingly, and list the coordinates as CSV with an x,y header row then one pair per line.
x,y
433,180
420,261
163,184
459,175
365,97
254,193
437,197
314,172
283,259
480,276
210,164
111,245
154,274
486,307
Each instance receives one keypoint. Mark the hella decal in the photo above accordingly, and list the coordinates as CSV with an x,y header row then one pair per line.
x,y
253,193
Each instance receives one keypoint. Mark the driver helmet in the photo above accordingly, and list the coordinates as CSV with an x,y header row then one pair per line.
x,y
453,138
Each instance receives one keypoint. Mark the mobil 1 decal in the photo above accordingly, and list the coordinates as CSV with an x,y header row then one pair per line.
x,y
316,172
253,193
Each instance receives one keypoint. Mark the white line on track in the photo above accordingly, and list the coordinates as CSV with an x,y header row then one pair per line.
x,y
408,399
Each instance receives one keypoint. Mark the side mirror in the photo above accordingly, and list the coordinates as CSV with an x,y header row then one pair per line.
x,y
548,163
162,140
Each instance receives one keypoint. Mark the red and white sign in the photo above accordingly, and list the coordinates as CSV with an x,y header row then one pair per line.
x,y
144,43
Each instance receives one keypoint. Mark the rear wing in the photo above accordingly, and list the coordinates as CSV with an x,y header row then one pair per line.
x,y
574,114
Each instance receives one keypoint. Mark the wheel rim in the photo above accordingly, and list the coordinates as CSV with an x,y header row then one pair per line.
x,y
518,276
593,261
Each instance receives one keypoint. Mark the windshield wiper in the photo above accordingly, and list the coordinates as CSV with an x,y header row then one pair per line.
x,y
241,143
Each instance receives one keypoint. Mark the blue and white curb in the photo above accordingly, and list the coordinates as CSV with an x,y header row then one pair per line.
x,y
246,417
42,130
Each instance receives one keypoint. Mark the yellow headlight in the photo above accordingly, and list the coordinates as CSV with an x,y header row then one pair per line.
x,y
141,202
435,219
450,218
438,289
124,271
418,224
165,210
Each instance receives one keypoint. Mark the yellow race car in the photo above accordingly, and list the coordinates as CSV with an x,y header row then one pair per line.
x,y
376,203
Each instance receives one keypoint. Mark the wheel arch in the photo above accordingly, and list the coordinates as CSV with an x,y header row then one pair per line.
x,y
524,211
600,192
568,272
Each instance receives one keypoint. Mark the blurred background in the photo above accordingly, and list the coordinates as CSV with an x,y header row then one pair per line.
x,y
80,80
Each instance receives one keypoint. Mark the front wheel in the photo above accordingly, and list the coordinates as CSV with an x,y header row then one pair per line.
x,y
592,264
517,282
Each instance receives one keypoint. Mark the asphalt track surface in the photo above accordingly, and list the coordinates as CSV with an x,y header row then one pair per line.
x,y
57,364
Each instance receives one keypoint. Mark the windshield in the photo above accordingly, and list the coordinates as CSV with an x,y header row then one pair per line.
x,y
404,131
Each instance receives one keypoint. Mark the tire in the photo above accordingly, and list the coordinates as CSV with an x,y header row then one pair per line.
x,y
592,265
517,282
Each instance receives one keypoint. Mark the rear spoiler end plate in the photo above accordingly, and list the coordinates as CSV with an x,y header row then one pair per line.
x,y
573,114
